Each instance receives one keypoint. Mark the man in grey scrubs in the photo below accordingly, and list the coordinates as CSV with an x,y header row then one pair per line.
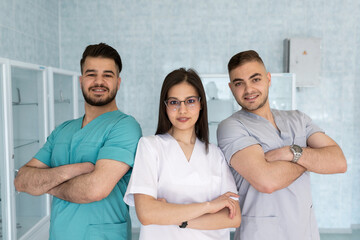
x,y
271,154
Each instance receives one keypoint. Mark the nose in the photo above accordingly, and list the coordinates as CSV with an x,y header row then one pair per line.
x,y
182,107
98,79
248,88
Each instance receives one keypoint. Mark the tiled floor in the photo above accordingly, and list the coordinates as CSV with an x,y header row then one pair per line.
x,y
355,235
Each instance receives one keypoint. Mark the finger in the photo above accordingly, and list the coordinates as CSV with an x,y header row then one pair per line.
x,y
234,202
231,194
231,208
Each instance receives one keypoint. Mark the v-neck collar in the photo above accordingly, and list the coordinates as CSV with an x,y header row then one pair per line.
x,y
280,130
180,149
92,122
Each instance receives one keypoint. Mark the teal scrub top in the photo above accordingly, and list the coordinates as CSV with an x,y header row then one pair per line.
x,y
112,135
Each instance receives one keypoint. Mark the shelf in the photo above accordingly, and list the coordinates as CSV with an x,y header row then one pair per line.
x,y
24,104
62,101
23,143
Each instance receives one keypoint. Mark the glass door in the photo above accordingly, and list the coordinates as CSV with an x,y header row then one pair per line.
x,y
63,96
2,151
81,100
282,91
29,132
7,192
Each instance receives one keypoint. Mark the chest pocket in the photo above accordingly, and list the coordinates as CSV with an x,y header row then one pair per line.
x,y
60,155
86,153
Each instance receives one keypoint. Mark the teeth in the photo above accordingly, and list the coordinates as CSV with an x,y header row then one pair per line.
x,y
251,97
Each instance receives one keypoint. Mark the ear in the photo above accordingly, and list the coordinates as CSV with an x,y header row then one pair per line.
x,y
119,81
268,75
230,86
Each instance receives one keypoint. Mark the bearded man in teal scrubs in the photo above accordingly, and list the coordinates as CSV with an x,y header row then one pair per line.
x,y
86,163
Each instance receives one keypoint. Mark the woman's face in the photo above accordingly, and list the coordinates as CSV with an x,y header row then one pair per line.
x,y
183,106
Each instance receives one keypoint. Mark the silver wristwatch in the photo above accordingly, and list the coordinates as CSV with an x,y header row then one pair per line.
x,y
297,151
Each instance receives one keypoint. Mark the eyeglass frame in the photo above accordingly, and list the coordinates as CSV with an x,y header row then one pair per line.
x,y
178,106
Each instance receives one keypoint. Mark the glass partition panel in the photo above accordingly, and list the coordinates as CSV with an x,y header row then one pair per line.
x,y
28,132
282,91
2,155
220,102
81,102
63,98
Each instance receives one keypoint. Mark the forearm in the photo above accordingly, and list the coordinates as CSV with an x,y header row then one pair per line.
x,y
277,175
37,181
162,213
77,190
217,220
325,160
93,186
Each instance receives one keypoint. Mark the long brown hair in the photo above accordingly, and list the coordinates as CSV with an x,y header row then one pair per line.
x,y
175,77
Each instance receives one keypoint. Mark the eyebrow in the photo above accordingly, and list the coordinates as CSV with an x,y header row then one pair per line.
x,y
252,76
93,70
185,98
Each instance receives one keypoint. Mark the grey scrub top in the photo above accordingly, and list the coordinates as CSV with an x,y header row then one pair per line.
x,y
284,214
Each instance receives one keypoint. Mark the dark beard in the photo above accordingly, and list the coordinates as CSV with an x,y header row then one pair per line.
x,y
99,103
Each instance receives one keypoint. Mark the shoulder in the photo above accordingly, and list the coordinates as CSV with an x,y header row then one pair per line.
x,y
67,124
234,119
214,150
294,115
126,122
154,140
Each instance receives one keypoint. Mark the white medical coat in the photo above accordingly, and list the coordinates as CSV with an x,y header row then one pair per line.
x,y
161,170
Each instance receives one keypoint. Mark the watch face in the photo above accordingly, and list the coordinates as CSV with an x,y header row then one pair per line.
x,y
297,148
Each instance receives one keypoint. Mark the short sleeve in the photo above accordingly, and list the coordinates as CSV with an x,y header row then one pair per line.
x,y
311,127
44,154
144,177
232,137
121,143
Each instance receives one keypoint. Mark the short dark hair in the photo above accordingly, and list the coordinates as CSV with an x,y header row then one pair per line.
x,y
101,50
175,77
242,58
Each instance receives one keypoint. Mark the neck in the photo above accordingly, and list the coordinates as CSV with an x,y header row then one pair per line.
x,y
92,112
266,113
184,136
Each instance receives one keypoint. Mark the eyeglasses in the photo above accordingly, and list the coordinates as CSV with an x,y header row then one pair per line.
x,y
174,104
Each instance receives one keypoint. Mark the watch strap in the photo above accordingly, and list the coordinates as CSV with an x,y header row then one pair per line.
x,y
183,224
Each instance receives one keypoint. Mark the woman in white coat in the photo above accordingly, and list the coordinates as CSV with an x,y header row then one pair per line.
x,y
181,185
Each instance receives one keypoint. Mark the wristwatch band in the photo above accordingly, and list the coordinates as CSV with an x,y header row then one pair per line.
x,y
297,151
183,224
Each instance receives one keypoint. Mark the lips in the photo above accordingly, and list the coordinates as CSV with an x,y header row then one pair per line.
x,y
99,90
182,119
251,97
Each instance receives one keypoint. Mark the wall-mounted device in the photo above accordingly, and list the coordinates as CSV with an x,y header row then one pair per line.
x,y
302,56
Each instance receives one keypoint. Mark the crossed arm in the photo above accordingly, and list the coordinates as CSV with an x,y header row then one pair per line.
x,y
322,155
272,171
222,212
78,183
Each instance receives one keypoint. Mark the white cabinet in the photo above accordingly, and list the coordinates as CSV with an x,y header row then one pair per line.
x,y
29,111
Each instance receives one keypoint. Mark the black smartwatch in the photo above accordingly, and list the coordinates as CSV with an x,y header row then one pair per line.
x,y
183,224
